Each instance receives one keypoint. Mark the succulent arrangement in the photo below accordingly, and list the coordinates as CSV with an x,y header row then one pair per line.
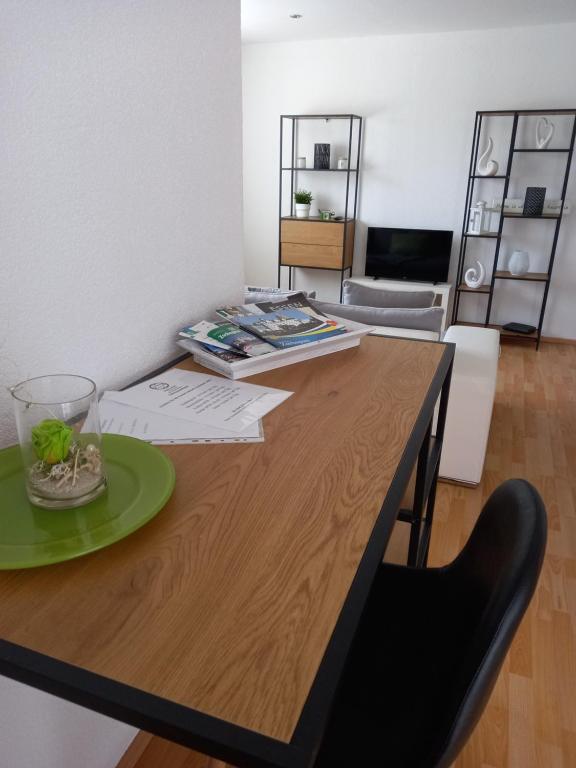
x,y
303,197
64,465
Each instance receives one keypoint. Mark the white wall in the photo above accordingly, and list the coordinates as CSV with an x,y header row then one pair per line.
x,y
418,94
120,194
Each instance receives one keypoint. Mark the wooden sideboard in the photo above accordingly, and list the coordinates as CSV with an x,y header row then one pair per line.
x,y
315,243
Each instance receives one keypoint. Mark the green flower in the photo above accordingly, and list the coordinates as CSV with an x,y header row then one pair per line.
x,y
51,440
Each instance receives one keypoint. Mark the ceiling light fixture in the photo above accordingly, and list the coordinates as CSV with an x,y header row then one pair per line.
x,y
295,15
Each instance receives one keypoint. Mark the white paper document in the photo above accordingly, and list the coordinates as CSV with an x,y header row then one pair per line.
x,y
203,399
121,419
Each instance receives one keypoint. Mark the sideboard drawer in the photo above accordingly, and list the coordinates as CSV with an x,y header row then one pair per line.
x,y
312,232
305,255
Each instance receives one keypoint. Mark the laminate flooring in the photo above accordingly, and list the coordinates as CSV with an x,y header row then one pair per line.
x,y
530,720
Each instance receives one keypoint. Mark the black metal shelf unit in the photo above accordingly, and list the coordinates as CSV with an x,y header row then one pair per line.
x,y
488,289
289,133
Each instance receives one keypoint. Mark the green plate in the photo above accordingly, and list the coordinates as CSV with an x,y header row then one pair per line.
x,y
140,482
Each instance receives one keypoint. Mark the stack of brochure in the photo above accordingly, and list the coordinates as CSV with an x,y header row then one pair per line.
x,y
251,330
252,338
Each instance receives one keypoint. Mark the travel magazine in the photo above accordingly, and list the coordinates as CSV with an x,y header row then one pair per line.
x,y
295,301
289,327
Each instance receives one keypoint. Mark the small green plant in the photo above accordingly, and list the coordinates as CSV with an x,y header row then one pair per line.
x,y
51,439
303,197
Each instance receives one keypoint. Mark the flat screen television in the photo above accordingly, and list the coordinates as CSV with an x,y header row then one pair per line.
x,y
422,255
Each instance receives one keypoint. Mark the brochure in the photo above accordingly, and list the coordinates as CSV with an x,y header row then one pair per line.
x,y
229,333
294,301
227,336
229,355
122,419
199,332
204,399
289,327
231,310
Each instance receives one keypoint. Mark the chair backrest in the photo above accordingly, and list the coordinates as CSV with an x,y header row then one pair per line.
x,y
491,582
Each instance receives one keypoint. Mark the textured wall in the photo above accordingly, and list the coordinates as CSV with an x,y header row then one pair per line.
x,y
120,189
120,195
418,94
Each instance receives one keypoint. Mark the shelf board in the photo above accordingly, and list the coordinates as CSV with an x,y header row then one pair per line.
x,y
478,176
317,218
528,336
322,117
539,151
540,277
493,235
484,289
312,266
323,170
537,216
525,112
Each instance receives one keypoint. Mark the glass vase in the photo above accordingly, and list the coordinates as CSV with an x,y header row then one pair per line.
x,y
60,440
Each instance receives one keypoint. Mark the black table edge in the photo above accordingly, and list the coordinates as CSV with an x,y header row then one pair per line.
x,y
316,710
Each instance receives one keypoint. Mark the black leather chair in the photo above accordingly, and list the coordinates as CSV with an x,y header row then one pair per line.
x,y
432,641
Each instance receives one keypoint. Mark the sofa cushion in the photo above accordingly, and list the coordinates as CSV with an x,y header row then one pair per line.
x,y
427,319
364,296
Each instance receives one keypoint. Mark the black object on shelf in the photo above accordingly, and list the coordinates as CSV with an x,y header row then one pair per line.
x,y
519,328
321,157
534,201
535,332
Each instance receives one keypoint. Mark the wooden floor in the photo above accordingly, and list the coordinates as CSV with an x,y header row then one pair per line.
x,y
530,721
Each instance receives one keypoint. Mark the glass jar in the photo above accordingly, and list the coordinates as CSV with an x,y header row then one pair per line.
x,y
60,440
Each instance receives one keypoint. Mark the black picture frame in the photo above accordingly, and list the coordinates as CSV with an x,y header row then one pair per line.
x,y
534,201
322,157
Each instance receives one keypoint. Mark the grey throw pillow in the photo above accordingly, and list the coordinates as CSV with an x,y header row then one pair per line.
x,y
364,296
416,319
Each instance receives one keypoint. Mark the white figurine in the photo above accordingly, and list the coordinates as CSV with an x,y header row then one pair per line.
x,y
474,278
544,132
487,167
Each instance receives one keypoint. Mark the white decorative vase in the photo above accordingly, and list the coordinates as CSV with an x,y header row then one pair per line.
x,y
519,263
474,278
544,132
487,167
302,210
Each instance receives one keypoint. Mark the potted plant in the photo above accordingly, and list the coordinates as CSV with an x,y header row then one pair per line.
x,y
302,200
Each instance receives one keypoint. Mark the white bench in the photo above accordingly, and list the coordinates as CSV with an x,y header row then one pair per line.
x,y
472,394
471,398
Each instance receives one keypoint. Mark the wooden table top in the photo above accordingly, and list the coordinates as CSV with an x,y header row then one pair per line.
x,y
226,601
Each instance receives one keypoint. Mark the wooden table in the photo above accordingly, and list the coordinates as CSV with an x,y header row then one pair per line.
x,y
224,623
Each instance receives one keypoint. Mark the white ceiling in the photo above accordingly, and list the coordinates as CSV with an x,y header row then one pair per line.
x,y
268,20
